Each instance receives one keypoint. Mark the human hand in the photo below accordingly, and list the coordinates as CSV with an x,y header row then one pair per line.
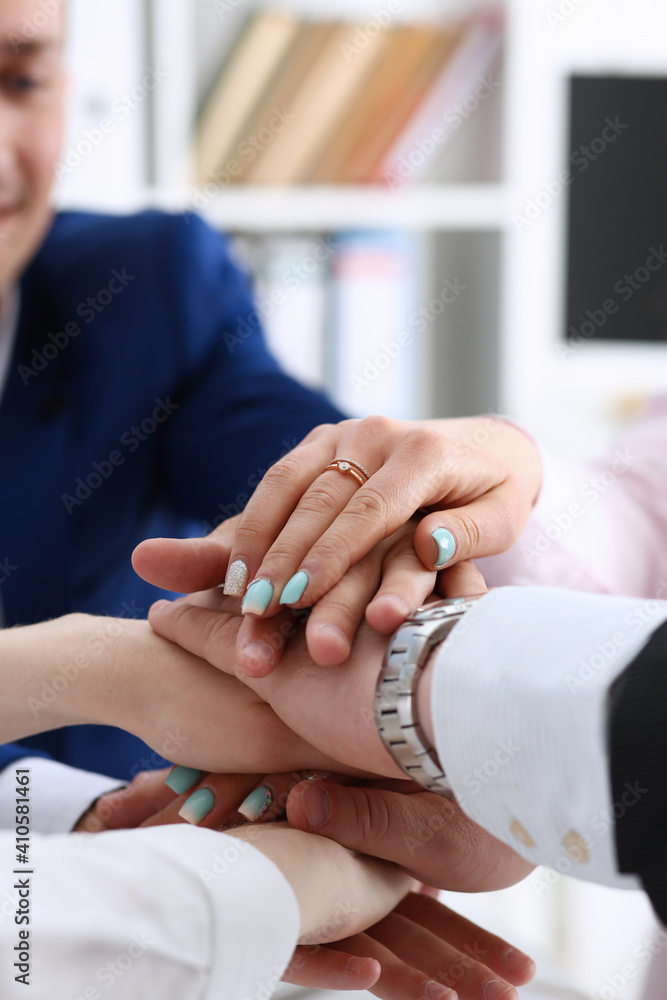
x,y
157,798
330,710
370,585
419,942
478,477
428,835
82,669
425,949
483,472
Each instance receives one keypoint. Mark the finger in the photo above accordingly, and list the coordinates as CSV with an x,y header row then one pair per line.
x,y
127,807
267,800
185,564
273,502
334,620
278,787
398,979
484,527
199,630
326,968
211,803
495,953
261,641
462,580
405,586
438,959
427,835
322,502
412,476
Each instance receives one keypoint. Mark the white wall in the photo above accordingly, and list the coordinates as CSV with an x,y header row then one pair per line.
x,y
569,402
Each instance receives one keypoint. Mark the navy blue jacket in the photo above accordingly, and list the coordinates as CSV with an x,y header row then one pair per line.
x,y
141,401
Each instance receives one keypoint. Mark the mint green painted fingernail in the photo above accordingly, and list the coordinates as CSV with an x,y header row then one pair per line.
x,y
294,588
198,806
182,778
256,804
446,543
258,597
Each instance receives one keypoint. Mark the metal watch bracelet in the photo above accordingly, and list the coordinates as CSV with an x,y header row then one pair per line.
x,y
396,692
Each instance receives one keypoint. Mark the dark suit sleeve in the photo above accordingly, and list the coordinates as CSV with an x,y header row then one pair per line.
x,y
638,751
238,411
11,752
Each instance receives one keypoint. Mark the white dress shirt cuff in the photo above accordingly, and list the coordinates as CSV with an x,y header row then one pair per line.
x,y
173,912
255,917
519,705
59,795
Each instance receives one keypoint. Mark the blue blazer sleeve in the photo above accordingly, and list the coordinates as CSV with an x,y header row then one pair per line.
x,y
11,752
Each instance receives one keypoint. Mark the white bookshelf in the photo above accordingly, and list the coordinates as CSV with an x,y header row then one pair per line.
x,y
466,208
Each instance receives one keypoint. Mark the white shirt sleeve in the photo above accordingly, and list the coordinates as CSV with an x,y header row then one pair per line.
x,y
175,912
59,794
598,526
519,707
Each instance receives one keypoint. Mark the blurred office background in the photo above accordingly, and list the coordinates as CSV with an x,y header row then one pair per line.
x,y
464,278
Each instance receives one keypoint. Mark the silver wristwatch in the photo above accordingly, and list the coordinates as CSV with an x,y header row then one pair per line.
x,y
395,695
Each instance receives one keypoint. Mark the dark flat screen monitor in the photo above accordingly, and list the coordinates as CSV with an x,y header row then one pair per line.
x,y
617,215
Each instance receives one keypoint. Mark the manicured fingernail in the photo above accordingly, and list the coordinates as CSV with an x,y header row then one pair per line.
x,y
356,964
515,960
436,991
316,775
317,806
294,588
236,579
494,989
256,804
258,597
446,543
260,652
198,806
182,778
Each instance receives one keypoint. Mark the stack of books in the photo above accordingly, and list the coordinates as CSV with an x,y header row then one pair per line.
x,y
301,102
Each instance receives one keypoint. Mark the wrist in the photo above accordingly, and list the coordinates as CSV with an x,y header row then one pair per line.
x,y
68,672
40,675
424,713
321,872
399,691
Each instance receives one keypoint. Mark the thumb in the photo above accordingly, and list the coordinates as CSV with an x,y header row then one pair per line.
x,y
484,527
186,564
372,821
426,835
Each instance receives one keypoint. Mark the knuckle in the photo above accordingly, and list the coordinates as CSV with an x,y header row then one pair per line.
x,y
318,500
425,442
220,632
334,610
332,556
468,532
368,502
249,534
286,473
372,816
317,432
281,552
377,426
